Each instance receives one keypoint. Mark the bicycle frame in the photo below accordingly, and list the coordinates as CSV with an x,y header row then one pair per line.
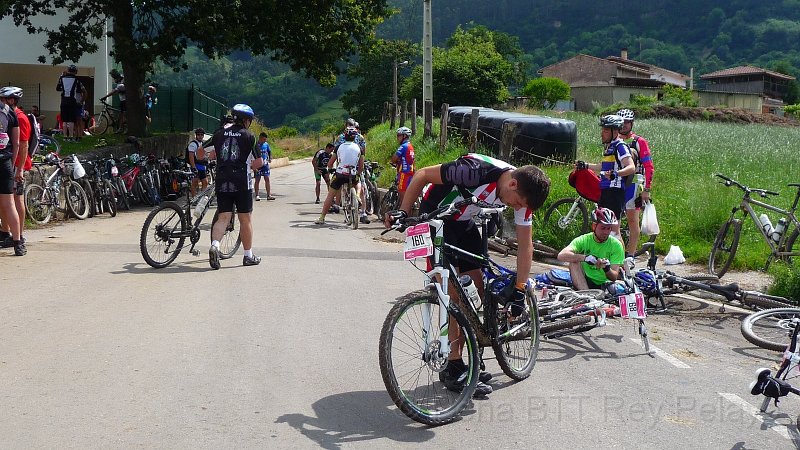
x,y
774,247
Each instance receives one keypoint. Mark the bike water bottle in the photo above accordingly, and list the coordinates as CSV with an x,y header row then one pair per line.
x,y
780,227
472,291
766,224
201,205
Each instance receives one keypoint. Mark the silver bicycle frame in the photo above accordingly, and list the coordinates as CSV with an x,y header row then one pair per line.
x,y
785,213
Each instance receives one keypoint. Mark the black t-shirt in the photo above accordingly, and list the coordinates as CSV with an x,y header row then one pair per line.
x,y
234,146
8,120
322,158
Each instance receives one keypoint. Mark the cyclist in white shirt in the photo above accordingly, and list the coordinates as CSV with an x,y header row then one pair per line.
x,y
349,163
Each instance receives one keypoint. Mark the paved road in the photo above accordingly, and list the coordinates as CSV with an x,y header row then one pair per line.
x,y
99,350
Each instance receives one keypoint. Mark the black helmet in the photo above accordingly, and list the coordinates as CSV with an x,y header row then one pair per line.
x,y
350,133
72,68
199,131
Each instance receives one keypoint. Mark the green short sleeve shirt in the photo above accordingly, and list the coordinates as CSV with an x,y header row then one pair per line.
x,y
611,250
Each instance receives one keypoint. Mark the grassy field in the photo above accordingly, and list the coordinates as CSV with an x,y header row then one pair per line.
x,y
691,204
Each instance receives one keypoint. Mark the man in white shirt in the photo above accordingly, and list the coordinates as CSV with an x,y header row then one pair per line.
x,y
349,163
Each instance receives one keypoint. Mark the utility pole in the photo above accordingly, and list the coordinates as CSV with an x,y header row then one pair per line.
x,y
427,65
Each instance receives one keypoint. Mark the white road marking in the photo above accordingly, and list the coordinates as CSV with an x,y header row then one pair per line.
x,y
768,421
713,302
669,358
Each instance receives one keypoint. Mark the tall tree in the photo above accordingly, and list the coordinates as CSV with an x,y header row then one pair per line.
x,y
309,35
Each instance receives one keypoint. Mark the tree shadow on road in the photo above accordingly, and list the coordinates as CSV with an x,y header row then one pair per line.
x,y
355,417
198,265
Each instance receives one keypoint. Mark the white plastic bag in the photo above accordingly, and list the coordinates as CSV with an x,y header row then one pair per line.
x,y
650,220
675,255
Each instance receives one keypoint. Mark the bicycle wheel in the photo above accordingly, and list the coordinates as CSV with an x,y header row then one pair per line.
x,y
354,207
121,193
564,222
94,207
107,199
163,234
389,202
100,124
678,288
77,201
641,328
764,301
410,367
517,339
231,240
367,198
770,329
38,203
789,247
574,324
724,248
346,210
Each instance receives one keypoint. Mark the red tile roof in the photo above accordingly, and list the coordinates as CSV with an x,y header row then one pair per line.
x,y
744,70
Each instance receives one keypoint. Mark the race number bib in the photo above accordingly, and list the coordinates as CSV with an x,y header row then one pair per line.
x,y
418,242
632,306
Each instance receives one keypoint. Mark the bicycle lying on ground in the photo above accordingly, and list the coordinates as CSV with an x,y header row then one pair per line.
x,y
169,225
771,328
781,239
777,386
415,343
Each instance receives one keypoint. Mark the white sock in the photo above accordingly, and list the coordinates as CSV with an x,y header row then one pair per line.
x,y
248,253
215,244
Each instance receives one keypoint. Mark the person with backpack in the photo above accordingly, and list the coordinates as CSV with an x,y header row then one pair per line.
x,y
14,135
71,90
196,158
640,151
616,168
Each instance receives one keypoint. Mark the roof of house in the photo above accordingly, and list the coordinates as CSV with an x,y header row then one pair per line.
x,y
628,64
744,70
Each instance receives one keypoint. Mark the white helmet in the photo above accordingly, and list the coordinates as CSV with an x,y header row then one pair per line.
x,y
404,130
626,114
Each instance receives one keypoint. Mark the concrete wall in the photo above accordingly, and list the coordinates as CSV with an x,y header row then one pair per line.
x,y
583,71
606,95
19,65
750,102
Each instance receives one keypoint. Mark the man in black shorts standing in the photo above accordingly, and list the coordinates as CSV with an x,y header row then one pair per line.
x,y
320,164
9,176
234,146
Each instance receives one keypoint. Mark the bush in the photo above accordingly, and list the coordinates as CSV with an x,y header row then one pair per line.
x,y
545,92
787,281
792,110
675,96
283,132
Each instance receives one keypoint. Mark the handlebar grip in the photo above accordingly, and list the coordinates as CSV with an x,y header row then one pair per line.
x,y
722,176
771,192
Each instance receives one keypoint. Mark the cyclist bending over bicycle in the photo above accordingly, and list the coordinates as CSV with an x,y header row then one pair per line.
x,y
494,184
593,258
403,160
349,158
233,147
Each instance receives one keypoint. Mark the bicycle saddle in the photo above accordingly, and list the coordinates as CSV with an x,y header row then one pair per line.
x,y
770,386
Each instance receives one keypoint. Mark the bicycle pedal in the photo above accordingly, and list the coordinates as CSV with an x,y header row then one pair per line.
x,y
196,252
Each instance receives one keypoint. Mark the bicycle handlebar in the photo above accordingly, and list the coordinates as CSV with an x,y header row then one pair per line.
x,y
729,182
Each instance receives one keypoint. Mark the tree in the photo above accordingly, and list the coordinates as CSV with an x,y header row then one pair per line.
x,y
375,73
545,92
309,35
471,72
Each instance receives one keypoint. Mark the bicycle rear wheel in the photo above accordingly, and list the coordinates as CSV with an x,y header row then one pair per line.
x,y
163,234
770,329
107,199
77,201
411,367
564,222
100,124
346,210
389,202
38,203
231,240
724,248
354,207
516,342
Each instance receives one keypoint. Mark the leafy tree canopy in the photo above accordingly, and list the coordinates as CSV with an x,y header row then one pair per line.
x,y
545,92
309,35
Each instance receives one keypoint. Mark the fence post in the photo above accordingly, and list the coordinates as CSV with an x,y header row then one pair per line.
x,y
403,107
393,114
473,129
428,118
443,127
507,140
413,116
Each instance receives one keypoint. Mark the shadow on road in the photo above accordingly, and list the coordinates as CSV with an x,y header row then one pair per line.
x,y
199,265
355,417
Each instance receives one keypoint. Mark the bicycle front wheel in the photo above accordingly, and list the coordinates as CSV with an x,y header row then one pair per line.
x,y
100,124
77,201
163,234
388,202
565,219
770,329
412,367
38,203
231,240
516,341
107,199
354,207
724,248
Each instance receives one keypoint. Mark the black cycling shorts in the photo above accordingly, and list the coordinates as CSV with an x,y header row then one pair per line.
x,y
613,199
339,180
6,176
466,236
242,199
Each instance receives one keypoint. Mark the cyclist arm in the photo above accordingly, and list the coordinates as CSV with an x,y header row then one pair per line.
x,y
524,254
431,174
361,163
314,163
258,161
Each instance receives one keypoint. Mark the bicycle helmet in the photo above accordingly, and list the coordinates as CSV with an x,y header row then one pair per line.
x,y
10,92
626,114
51,158
604,216
350,122
72,68
646,282
350,133
199,131
404,130
241,111
612,121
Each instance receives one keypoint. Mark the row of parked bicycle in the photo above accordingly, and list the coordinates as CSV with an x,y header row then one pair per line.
x,y
70,187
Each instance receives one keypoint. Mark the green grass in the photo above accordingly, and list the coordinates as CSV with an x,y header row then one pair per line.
x,y
691,204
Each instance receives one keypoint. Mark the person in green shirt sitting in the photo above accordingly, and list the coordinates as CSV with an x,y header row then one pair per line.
x,y
593,258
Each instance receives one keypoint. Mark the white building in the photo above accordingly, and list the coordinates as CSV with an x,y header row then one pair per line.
x,y
19,66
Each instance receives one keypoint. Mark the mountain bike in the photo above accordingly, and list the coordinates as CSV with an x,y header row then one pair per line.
x,y
775,387
169,225
118,188
391,201
414,341
108,116
771,329
102,198
57,194
371,172
350,199
781,240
